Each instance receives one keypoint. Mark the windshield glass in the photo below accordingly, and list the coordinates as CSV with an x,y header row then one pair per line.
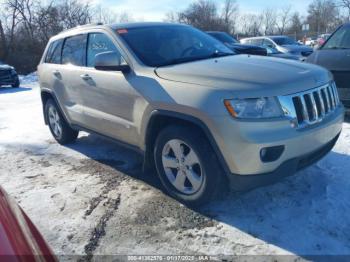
x,y
165,45
224,37
284,41
340,39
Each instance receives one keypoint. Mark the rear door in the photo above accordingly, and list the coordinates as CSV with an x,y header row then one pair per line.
x,y
70,74
335,56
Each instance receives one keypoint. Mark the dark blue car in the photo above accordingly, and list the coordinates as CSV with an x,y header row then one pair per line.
x,y
8,76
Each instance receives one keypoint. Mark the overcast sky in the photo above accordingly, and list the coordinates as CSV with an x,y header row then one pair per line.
x,y
155,10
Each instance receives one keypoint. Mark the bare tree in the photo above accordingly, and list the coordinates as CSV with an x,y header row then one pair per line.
x,y
269,18
251,24
171,17
323,16
202,14
283,19
345,4
230,14
74,13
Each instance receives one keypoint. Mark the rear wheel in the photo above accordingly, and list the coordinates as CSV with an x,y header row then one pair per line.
x,y
187,166
59,128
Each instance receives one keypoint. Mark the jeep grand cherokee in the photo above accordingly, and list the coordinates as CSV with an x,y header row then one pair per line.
x,y
201,114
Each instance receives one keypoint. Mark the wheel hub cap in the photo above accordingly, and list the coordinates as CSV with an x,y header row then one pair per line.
x,y
55,123
182,167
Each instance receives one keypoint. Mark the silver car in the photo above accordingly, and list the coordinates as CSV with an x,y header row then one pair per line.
x,y
199,114
284,45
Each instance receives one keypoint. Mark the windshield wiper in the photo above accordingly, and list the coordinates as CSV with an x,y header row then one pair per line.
x,y
192,59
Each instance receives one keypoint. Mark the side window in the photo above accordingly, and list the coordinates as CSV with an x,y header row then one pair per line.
x,y
99,43
74,50
257,42
340,39
268,43
53,55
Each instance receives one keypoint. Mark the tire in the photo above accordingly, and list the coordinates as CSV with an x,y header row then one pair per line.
x,y
207,175
59,128
16,84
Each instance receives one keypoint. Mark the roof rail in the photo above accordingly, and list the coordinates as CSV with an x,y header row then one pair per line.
x,y
83,26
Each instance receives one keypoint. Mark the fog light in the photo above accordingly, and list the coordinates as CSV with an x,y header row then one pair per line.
x,y
263,153
270,154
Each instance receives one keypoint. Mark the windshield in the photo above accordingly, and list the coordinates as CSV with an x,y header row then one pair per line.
x,y
340,39
172,44
284,41
223,37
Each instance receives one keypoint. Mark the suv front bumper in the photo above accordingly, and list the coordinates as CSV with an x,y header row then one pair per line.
x,y
241,142
8,79
288,168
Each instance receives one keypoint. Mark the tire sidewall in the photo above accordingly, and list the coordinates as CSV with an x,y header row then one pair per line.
x,y
205,156
49,104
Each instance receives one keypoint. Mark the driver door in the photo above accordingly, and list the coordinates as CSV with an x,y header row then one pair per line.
x,y
108,98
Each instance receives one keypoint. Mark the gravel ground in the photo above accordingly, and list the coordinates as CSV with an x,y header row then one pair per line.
x,y
91,198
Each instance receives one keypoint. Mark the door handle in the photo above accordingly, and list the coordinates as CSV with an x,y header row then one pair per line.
x,y
86,77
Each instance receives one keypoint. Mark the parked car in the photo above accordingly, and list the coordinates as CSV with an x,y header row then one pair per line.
x,y
311,41
19,238
235,46
200,114
282,44
334,55
8,75
322,39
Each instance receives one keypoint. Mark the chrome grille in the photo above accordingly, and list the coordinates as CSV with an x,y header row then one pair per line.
x,y
311,107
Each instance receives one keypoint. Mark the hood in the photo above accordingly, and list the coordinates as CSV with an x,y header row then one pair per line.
x,y
5,67
285,56
249,76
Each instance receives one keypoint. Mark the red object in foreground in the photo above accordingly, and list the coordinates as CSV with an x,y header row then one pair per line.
x,y
19,238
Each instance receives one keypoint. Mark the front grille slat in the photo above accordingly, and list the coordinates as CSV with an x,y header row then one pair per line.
x,y
329,90
314,105
320,97
328,100
304,109
335,92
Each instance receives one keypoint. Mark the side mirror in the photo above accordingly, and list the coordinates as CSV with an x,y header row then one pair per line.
x,y
110,61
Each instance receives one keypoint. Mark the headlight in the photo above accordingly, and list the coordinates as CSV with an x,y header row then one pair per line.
x,y
253,108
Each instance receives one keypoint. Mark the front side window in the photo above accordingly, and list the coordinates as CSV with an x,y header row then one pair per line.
x,y
340,39
258,42
74,50
172,44
99,43
268,43
54,53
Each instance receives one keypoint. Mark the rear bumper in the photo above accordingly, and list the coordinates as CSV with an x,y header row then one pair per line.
x,y
287,168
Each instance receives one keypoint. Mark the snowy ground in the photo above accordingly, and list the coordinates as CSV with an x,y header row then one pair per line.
x,y
91,198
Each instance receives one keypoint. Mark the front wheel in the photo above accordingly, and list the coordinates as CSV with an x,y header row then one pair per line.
x,y
59,128
187,165
16,84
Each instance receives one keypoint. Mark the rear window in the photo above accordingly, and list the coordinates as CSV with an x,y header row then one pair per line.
x,y
54,53
74,50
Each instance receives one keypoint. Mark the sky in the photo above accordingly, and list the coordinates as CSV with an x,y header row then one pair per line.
x,y
155,10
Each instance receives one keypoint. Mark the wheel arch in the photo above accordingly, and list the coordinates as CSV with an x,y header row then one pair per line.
x,y
161,118
47,94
